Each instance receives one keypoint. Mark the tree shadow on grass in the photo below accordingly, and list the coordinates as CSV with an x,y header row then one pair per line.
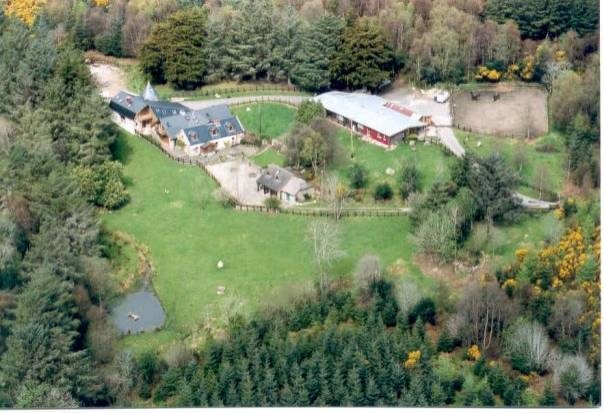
x,y
121,149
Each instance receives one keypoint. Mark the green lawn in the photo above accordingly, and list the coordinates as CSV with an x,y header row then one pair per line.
x,y
524,157
269,156
431,160
173,213
273,120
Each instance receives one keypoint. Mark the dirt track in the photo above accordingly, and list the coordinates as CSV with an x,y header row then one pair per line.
x,y
110,79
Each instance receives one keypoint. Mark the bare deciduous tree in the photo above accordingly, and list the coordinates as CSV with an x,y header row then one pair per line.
x,y
326,247
483,312
367,271
568,307
407,295
528,344
334,193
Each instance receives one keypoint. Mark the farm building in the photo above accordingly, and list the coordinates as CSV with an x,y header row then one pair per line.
x,y
175,125
283,184
371,116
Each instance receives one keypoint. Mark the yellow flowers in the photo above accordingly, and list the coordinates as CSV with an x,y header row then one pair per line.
x,y
559,213
521,254
560,55
473,352
412,359
25,10
484,73
509,285
101,3
528,69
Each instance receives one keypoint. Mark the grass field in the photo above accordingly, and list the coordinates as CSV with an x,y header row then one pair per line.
x,y
525,157
272,120
173,213
269,156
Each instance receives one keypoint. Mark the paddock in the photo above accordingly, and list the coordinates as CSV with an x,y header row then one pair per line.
x,y
502,110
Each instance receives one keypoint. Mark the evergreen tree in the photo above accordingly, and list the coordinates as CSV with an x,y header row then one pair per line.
x,y
174,51
42,347
319,43
365,58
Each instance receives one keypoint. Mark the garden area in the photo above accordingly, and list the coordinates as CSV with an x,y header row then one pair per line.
x,y
173,213
432,162
271,120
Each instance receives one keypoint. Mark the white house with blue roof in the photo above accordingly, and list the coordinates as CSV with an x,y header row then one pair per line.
x,y
194,132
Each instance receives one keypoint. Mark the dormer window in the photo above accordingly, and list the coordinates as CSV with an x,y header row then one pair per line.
x,y
214,131
229,126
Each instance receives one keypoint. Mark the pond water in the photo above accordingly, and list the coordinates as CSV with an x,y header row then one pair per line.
x,y
138,312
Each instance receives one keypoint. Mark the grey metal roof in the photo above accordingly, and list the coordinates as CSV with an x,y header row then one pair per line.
x,y
149,94
127,105
213,130
368,110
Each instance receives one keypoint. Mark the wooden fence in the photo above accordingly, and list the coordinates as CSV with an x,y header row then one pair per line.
x,y
227,91
285,100
238,206
325,212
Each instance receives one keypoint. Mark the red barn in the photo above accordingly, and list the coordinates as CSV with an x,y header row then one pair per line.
x,y
371,116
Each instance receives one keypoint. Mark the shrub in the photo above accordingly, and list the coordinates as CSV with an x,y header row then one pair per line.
x,y
272,202
223,197
573,376
424,309
309,110
497,380
382,192
410,180
548,398
358,176
102,184
447,342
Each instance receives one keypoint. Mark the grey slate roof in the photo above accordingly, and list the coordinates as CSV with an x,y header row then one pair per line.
x,y
149,94
127,105
368,110
163,109
274,178
220,115
212,130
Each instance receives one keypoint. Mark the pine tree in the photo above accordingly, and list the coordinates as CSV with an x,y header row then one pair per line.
x,y
319,43
42,347
365,58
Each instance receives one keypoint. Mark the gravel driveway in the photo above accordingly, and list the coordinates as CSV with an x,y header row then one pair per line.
x,y
423,102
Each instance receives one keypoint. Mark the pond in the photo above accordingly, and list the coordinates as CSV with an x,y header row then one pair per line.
x,y
138,312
